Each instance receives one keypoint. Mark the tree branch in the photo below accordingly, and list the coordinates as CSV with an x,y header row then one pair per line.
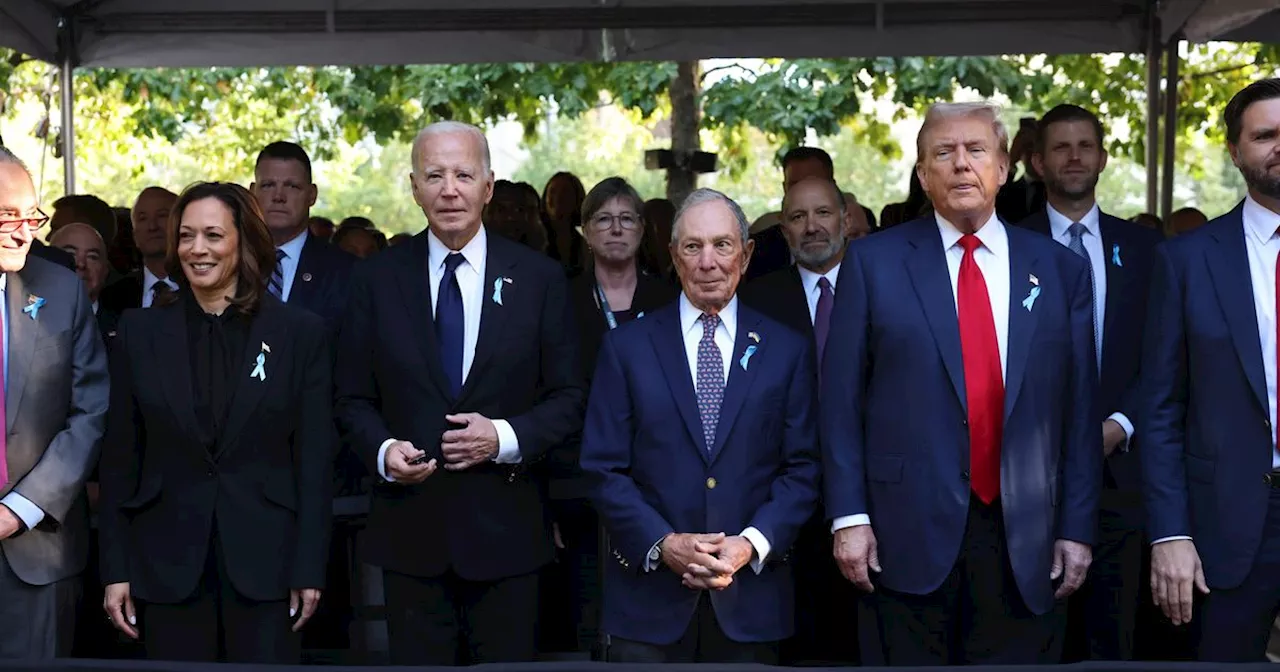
x,y
1220,71
730,66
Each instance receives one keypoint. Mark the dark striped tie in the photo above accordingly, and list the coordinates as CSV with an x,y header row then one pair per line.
x,y
276,284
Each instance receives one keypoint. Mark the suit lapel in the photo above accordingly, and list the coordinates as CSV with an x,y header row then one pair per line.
x,y
927,268
306,278
265,330
1229,267
668,345
1116,280
800,308
415,290
740,378
23,332
1022,322
169,343
1039,222
493,317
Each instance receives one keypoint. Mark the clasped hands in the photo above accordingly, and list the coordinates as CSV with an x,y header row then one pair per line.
x,y
474,443
706,561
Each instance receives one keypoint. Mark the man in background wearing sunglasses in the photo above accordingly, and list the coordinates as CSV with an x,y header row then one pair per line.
x,y
52,403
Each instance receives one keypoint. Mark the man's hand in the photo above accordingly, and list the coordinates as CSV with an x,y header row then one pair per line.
x,y
683,553
1112,437
476,443
735,552
9,522
1175,568
396,464
1071,560
310,599
118,604
855,551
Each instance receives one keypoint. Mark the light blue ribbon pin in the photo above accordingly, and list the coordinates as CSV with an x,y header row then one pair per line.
x,y
1115,255
260,371
34,304
746,356
1031,298
497,289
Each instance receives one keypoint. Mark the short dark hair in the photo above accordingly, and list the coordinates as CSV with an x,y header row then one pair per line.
x,y
607,190
1064,113
85,209
285,151
798,154
1263,89
356,222
257,251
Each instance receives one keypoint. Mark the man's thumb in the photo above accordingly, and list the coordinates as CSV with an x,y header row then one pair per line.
x,y
1200,582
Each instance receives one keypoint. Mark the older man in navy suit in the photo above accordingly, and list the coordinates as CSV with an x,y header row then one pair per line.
x,y
699,439
958,417
1211,469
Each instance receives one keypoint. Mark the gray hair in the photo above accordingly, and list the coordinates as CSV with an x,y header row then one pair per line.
x,y
704,195
447,128
607,190
831,184
54,237
940,112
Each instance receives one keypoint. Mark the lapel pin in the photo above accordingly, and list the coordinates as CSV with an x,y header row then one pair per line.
x,y
306,277
497,288
754,336
34,304
260,364
1115,256
1033,280
1030,301
746,356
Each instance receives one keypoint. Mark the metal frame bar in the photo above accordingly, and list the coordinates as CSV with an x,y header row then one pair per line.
x,y
1154,53
67,53
1171,63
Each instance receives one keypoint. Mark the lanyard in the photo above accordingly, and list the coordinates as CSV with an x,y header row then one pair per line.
x,y
602,302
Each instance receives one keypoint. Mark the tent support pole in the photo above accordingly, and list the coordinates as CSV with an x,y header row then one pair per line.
x,y
68,80
1153,111
1170,126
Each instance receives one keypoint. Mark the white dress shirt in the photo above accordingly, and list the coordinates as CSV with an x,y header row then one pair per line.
x,y
726,331
993,259
23,508
1060,225
470,275
289,264
809,280
149,282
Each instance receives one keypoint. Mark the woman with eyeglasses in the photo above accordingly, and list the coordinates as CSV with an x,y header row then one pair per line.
x,y
609,292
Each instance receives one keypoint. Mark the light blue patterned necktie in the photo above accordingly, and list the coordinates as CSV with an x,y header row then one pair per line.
x,y
1076,245
710,379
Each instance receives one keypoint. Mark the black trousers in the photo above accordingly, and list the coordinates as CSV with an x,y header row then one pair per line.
x,y
977,616
826,602
218,624
1103,613
447,620
1236,622
703,642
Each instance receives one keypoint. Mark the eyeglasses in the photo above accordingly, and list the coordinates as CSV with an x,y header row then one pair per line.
x,y
629,221
32,223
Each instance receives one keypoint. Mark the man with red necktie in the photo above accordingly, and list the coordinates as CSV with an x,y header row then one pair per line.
x,y
958,426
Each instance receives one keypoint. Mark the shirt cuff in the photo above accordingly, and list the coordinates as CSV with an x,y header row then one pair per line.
x,y
382,460
1126,426
508,444
762,547
28,513
849,521
1161,540
651,559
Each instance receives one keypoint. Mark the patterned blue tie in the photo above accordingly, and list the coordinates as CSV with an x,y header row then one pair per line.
x,y
276,284
710,379
450,324
1076,245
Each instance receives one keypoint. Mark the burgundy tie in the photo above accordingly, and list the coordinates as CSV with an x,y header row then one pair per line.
x,y
822,316
983,382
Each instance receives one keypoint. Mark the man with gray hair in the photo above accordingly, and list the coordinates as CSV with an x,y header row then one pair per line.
x,y
958,416
52,405
701,511
459,369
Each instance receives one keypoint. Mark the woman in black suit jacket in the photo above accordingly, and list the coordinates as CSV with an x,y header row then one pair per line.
x,y
217,459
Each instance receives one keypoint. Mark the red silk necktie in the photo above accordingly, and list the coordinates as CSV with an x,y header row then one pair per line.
x,y
983,383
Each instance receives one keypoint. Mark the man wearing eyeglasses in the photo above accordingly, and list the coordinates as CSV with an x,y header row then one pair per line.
x,y
52,403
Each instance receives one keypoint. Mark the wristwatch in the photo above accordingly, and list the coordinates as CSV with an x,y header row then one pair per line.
x,y
655,553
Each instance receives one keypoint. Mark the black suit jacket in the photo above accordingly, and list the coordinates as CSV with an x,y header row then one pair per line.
x,y
1128,284
266,483
321,281
780,296
123,294
487,522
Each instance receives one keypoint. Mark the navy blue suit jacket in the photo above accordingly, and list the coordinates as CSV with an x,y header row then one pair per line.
x,y
895,439
1206,435
1130,251
652,475
321,281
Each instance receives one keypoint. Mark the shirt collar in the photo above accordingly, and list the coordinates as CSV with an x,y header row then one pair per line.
x,y
992,235
472,252
149,280
809,279
4,281
95,307
293,249
1259,221
1060,223
689,316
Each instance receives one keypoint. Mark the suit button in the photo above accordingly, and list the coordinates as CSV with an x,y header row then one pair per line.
x,y
964,476
711,484
1266,478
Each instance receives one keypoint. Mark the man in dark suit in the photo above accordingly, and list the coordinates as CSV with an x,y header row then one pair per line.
x,y
461,355
150,217
1070,155
689,505
309,272
771,253
817,226
54,402
958,416
1211,470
